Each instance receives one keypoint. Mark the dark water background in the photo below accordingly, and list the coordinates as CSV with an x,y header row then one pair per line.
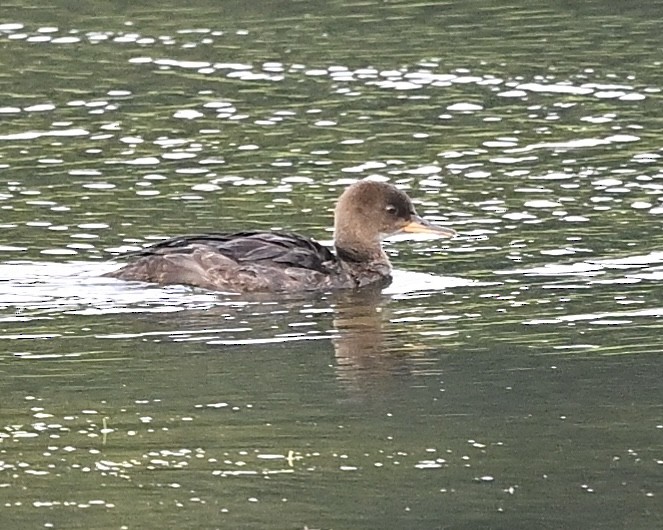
x,y
510,378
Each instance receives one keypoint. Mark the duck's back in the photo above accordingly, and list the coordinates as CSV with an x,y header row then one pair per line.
x,y
240,262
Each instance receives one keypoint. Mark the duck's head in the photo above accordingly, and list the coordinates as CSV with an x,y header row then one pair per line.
x,y
368,211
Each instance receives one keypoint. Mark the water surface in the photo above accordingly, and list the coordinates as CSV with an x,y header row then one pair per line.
x,y
507,378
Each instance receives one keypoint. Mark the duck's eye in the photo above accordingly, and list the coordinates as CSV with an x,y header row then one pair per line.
x,y
391,209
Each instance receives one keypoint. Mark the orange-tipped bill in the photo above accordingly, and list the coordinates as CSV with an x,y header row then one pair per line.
x,y
419,225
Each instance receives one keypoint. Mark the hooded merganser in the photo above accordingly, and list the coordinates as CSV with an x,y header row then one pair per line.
x,y
243,262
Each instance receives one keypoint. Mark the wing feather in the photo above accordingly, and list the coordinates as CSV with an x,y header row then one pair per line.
x,y
282,248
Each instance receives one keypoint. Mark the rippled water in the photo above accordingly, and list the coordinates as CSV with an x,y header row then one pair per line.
x,y
507,378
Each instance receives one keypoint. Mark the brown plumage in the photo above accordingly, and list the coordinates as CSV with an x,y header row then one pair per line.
x,y
366,212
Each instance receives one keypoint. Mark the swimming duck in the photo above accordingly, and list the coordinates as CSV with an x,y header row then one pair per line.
x,y
254,261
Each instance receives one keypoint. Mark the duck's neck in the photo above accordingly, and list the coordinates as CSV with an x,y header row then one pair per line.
x,y
360,254
364,265
359,251
357,247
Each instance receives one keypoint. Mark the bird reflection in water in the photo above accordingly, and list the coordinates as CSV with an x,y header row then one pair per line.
x,y
366,356
370,353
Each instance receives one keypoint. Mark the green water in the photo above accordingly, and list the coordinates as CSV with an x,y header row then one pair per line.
x,y
509,378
